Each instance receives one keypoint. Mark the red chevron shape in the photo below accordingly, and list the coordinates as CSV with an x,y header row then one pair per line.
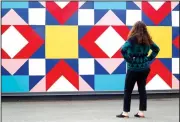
x,y
157,68
62,69
88,41
160,14
62,15
35,41
176,41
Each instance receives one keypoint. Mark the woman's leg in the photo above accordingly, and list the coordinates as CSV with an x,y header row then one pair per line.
x,y
141,82
129,85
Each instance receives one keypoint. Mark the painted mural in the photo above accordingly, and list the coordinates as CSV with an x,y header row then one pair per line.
x,y
74,46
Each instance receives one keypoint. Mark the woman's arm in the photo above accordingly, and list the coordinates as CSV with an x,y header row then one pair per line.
x,y
124,49
155,50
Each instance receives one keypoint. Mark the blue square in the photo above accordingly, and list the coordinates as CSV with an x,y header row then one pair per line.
x,y
109,82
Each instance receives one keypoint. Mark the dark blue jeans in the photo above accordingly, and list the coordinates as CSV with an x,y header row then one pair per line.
x,y
131,78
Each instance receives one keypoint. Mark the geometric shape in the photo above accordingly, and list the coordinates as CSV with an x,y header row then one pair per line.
x,y
62,84
40,86
86,66
156,5
62,69
121,14
40,30
23,70
132,16
37,16
62,14
12,65
37,67
109,82
98,14
175,65
175,6
73,63
99,69
89,79
167,21
177,76
139,4
86,17
17,20
33,80
42,3
4,12
175,83
62,4
156,15
175,18
83,85
59,44
4,71
12,84
109,5
13,41
157,83
34,41
162,36
110,37
147,20
131,5
40,53
83,53
15,4
167,62
114,19
73,20
23,13
87,5
82,30
110,64
50,63
176,41
121,69
175,52
35,4
50,20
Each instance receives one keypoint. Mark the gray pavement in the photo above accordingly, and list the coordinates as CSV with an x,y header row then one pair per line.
x,y
159,110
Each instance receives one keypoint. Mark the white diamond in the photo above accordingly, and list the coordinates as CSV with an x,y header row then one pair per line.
x,y
156,5
110,41
13,41
62,4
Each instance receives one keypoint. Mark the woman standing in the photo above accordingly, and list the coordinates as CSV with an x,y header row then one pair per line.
x,y
135,52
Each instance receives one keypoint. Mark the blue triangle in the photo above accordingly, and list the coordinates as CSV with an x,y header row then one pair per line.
x,y
167,62
73,20
73,63
83,53
177,8
177,76
23,13
121,14
40,30
175,32
33,80
88,5
24,69
35,4
4,71
82,30
40,53
175,52
121,69
98,14
99,69
50,63
89,79
50,20
167,21
130,27
131,5
4,12
147,20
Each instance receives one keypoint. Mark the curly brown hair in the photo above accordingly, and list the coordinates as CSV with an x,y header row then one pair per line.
x,y
139,30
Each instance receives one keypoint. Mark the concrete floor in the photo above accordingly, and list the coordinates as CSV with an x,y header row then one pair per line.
x,y
161,110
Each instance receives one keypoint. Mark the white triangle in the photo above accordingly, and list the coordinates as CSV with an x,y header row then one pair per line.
x,y
62,4
156,5
114,20
157,83
62,84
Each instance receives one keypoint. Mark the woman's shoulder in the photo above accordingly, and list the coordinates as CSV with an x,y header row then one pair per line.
x,y
132,40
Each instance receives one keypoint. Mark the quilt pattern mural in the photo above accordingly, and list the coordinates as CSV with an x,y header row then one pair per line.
x,y
74,46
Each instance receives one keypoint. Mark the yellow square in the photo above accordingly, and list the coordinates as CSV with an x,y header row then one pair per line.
x,y
162,36
61,42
